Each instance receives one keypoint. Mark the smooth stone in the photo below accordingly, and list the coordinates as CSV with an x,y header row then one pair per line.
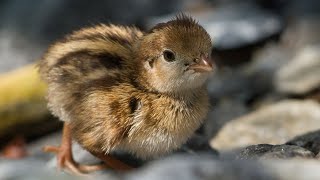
x,y
199,168
273,124
205,167
30,169
269,60
295,169
302,74
301,32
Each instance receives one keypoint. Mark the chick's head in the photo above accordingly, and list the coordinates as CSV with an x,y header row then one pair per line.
x,y
176,55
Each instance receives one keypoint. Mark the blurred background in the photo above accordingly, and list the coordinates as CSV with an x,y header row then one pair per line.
x,y
265,90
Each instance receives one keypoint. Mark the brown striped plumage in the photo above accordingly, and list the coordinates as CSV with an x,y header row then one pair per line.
x,y
117,90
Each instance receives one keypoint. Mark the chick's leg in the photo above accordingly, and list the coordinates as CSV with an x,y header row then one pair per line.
x,y
64,155
113,162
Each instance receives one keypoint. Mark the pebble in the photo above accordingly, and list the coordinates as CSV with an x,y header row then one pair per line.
x,y
273,124
302,74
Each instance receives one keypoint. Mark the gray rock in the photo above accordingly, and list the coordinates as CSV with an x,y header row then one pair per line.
x,y
222,112
240,84
199,168
267,151
241,24
183,166
287,152
205,167
269,60
273,124
236,86
16,50
261,70
297,169
254,151
302,32
310,141
254,79
197,144
235,25
302,74
30,169
297,8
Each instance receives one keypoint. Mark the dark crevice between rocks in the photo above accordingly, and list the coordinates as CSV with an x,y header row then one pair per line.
x,y
31,131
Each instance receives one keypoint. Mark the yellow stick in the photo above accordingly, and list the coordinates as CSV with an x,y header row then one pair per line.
x,y
21,97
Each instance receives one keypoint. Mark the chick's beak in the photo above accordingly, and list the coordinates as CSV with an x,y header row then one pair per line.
x,y
203,64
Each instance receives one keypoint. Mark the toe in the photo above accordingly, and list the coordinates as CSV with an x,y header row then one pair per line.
x,y
53,149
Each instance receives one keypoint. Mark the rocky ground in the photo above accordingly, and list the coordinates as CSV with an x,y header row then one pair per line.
x,y
265,94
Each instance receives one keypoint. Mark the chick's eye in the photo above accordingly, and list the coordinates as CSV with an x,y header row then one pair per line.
x,y
169,55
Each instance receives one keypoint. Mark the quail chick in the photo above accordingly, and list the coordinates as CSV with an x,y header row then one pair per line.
x,y
118,88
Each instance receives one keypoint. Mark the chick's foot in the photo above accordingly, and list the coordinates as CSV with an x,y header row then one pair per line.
x,y
64,156
65,161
